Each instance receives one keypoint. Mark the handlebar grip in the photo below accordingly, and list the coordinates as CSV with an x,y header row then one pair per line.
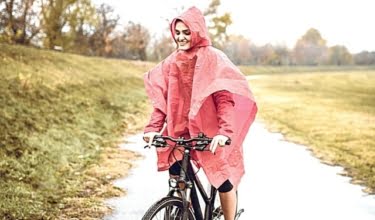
x,y
159,141
228,142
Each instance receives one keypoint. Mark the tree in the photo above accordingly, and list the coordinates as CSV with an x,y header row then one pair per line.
x,y
55,18
218,24
282,55
310,49
18,21
134,42
238,49
339,55
81,22
364,58
102,39
267,55
162,47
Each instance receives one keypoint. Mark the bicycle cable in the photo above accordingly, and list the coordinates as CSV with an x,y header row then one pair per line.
x,y
178,161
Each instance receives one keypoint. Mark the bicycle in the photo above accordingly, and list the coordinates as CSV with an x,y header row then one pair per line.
x,y
182,201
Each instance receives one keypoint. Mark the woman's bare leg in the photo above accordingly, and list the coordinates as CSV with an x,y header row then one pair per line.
x,y
228,202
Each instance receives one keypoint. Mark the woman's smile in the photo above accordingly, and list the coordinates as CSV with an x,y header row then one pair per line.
x,y
182,36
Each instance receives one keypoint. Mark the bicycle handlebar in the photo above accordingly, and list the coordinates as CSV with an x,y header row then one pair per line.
x,y
201,141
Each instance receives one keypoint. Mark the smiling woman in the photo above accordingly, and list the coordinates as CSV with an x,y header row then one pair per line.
x,y
198,89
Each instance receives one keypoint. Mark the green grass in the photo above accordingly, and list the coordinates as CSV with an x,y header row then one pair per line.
x,y
58,113
332,112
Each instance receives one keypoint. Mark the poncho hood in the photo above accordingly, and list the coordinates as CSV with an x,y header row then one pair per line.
x,y
194,19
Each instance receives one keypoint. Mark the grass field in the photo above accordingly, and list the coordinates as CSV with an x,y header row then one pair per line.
x,y
331,111
61,119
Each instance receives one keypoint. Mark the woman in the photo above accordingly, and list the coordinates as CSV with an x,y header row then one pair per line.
x,y
198,89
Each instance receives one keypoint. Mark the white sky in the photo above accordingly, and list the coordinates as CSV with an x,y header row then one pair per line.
x,y
345,22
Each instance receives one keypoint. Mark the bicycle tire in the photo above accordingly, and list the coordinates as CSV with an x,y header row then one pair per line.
x,y
167,208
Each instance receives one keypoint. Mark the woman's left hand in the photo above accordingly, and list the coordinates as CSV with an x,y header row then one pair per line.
x,y
218,140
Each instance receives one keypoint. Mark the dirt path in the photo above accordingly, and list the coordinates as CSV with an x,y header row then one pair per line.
x,y
283,181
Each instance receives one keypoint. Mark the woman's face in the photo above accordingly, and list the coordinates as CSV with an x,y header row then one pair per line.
x,y
182,36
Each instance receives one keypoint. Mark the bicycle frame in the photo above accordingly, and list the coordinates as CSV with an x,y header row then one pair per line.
x,y
189,192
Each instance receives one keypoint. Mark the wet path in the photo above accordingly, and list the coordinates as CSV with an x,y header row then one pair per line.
x,y
282,181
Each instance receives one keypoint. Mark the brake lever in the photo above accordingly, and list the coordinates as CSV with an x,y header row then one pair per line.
x,y
202,147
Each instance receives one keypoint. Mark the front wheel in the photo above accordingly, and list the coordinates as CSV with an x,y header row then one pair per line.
x,y
167,208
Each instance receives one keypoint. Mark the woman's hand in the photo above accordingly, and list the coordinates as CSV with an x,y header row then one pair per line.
x,y
149,137
218,140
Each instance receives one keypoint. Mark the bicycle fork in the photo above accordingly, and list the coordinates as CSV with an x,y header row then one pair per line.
x,y
186,202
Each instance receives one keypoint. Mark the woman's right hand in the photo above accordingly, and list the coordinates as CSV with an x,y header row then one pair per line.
x,y
149,137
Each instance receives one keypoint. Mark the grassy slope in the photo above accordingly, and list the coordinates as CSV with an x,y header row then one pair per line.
x,y
59,113
332,111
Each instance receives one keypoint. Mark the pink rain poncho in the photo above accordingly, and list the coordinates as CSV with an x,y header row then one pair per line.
x,y
201,90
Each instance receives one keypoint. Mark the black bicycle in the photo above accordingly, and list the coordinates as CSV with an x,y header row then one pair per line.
x,y
182,201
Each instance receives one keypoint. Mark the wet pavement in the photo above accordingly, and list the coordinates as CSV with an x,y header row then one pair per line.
x,y
282,181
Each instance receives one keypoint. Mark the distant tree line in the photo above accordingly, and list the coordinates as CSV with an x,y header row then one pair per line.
x,y
75,26
310,49
79,26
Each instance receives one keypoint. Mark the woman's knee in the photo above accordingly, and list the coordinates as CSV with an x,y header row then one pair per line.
x,y
225,187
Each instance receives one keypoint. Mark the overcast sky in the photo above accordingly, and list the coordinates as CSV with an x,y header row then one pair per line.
x,y
345,22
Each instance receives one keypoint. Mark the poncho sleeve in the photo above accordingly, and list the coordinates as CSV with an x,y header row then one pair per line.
x,y
225,112
156,122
